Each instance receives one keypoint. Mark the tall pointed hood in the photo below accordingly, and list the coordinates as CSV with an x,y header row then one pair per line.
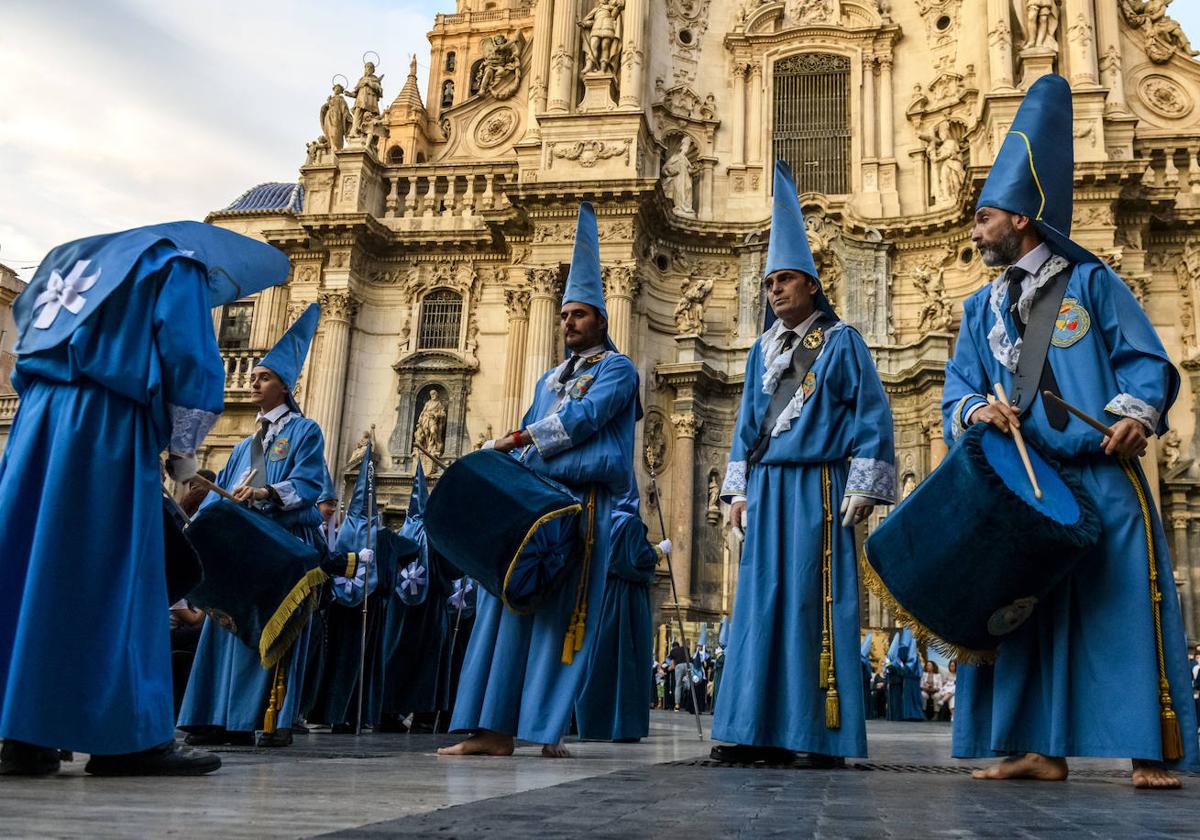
x,y
286,358
584,284
903,639
864,650
723,632
1034,171
703,640
354,533
419,496
788,247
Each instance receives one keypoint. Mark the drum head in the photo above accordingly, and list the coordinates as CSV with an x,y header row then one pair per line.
x,y
1057,502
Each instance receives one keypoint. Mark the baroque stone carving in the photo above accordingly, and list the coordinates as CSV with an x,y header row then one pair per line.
x,y
1164,96
495,127
688,20
516,303
808,12
366,93
589,152
686,425
1164,36
947,167
928,279
1039,22
689,311
602,37
1187,276
500,72
654,453
430,430
336,119
621,281
678,176
1169,454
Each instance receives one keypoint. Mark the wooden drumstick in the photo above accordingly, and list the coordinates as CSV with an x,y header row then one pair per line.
x,y
1091,421
442,465
1020,441
208,485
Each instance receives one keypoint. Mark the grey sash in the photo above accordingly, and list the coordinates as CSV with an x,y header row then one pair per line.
x,y
1035,343
803,358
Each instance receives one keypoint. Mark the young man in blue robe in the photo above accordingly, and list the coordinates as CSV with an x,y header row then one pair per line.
x,y
279,471
812,455
1045,698
117,362
518,682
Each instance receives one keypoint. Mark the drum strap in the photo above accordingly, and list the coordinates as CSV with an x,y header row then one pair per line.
x,y
803,358
258,460
1033,372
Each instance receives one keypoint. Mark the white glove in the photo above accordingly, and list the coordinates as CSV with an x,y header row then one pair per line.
x,y
365,558
665,547
850,505
489,444
181,467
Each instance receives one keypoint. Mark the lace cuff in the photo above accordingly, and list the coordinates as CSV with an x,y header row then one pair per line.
x,y
962,411
872,478
1127,405
549,436
188,428
288,495
735,481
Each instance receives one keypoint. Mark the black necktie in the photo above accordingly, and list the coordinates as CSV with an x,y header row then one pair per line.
x,y
1055,413
258,461
789,338
569,370
1016,276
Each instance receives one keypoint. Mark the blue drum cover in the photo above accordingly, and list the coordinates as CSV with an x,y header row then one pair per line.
x,y
972,546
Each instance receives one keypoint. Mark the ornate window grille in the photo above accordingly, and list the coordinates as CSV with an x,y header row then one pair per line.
x,y
812,120
441,318
234,332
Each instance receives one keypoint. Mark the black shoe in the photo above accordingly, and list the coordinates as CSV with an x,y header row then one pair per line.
x,y
743,754
20,759
278,738
167,759
219,737
820,761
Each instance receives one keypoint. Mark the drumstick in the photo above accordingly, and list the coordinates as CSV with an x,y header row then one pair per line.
x,y
1019,439
208,485
1091,421
440,463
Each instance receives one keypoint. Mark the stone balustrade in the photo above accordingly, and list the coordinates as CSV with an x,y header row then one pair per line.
x,y
1171,166
238,366
484,16
435,197
8,408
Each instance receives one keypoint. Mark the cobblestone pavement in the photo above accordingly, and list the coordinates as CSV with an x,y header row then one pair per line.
x,y
393,785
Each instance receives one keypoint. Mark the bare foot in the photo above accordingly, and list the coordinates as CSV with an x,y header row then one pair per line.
x,y
485,743
1042,768
1153,775
555,751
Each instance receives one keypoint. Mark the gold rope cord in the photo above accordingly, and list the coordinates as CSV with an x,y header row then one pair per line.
x,y
827,679
1172,741
577,626
275,700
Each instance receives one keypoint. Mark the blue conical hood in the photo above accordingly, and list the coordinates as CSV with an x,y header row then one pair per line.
x,y
584,283
788,247
903,639
286,358
354,533
864,650
1034,171
703,641
419,495
723,633
237,265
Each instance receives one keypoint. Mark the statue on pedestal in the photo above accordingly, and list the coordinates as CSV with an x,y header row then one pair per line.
x,y
947,171
335,118
366,99
602,36
689,312
430,431
500,73
1040,21
677,179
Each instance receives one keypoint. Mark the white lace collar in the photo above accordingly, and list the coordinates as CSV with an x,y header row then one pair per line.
x,y
1004,349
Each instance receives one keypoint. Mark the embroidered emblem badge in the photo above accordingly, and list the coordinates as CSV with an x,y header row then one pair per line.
x,y
280,448
814,339
809,384
581,384
1072,324
1009,618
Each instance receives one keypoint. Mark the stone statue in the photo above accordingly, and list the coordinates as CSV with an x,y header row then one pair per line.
x,y
935,309
484,437
366,99
500,73
602,36
335,118
430,432
677,179
1164,36
1040,21
317,150
946,163
713,512
360,449
689,312
1169,454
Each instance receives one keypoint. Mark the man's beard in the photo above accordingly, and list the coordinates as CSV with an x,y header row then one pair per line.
x,y
1004,251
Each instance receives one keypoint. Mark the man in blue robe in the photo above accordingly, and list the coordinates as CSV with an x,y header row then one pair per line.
x,y
904,678
813,437
612,701
117,362
518,681
1045,698
279,471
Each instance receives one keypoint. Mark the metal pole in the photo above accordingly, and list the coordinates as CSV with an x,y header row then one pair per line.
x,y
362,659
678,613
462,597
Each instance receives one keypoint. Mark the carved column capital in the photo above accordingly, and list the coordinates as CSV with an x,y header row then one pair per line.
x,y
543,280
338,306
516,303
621,280
686,425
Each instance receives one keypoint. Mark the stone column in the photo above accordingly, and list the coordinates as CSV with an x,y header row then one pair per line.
x,y
1081,40
542,329
327,380
633,53
563,57
683,488
937,443
1000,44
870,150
887,121
543,25
1108,48
621,286
516,306
1180,557
755,117
738,113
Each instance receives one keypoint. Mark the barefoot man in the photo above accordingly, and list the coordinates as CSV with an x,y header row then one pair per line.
x,y
518,681
1048,696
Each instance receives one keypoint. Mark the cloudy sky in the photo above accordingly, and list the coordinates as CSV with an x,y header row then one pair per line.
x,y
118,113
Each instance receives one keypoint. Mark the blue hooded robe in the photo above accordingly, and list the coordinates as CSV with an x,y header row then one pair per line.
x,y
839,419
228,687
1047,692
905,701
117,361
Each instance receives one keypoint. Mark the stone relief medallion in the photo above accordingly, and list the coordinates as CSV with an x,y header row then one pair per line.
x,y
495,127
1164,96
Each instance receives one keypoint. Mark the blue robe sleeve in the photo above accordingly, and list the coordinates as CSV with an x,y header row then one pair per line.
x,y
1147,379
193,376
581,417
872,452
744,433
966,377
306,479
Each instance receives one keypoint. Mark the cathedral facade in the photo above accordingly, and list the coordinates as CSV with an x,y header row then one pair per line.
x,y
435,230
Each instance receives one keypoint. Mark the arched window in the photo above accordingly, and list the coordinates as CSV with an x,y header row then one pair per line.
x,y
476,77
451,61
395,155
812,120
441,318
447,93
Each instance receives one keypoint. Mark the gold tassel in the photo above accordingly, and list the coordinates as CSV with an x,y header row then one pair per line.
x,y
577,626
833,710
580,629
1172,739
274,701
823,676
568,654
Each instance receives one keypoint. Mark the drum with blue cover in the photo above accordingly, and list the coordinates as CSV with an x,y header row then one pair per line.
x,y
514,531
966,558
